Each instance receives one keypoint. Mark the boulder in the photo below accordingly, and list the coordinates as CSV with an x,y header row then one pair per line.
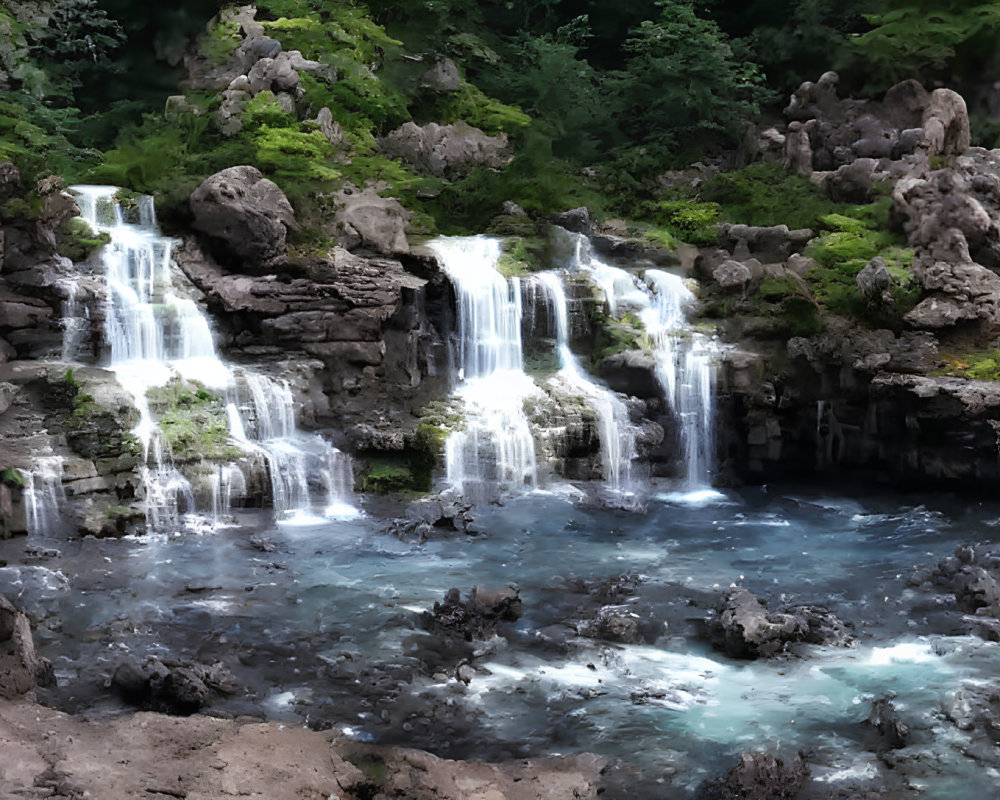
x,y
742,627
442,77
759,776
179,689
245,217
732,274
946,123
446,150
10,180
576,220
364,218
875,282
21,669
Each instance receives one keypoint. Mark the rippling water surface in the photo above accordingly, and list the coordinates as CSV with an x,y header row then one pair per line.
x,y
321,625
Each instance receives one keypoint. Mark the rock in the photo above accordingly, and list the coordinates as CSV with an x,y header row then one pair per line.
x,y
442,77
7,392
885,720
613,624
10,180
21,669
946,123
365,218
246,217
769,244
331,130
479,616
875,282
742,627
732,274
176,689
254,48
759,776
853,183
446,150
576,220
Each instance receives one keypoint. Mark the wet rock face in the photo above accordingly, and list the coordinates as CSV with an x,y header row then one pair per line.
x,y
479,616
245,217
21,669
759,776
742,627
972,576
884,719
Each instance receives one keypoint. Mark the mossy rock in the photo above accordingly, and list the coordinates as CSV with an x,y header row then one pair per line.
x,y
612,336
522,256
385,477
12,477
977,366
76,240
194,422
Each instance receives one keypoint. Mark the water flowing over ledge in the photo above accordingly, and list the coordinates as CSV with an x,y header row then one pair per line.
x,y
156,336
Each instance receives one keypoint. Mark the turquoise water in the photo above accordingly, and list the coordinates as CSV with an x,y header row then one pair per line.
x,y
324,629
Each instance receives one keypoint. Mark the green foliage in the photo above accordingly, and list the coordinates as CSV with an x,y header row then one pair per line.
x,y
12,477
763,194
470,104
925,35
384,476
689,221
37,138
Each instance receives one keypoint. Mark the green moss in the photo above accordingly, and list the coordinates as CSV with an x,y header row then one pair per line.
x,y
383,477
220,41
520,256
979,366
612,336
76,241
194,422
12,477
470,104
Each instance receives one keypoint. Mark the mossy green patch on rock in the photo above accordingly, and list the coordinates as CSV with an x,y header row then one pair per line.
x,y
978,366
520,256
76,240
12,477
613,336
194,422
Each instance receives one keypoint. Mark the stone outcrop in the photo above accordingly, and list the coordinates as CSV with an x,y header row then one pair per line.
x,y
180,689
21,669
245,217
742,627
446,150
365,219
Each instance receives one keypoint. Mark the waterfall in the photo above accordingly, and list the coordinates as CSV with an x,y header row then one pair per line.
x,y
43,494
617,433
683,357
495,453
156,335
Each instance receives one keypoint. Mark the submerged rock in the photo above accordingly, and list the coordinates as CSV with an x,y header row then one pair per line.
x,y
885,720
479,616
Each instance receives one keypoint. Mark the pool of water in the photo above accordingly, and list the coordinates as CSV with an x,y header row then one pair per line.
x,y
322,625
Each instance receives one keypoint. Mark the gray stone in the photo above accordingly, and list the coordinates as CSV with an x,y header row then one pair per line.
x,y
946,123
446,149
576,220
442,77
245,215
21,669
365,218
875,282
732,274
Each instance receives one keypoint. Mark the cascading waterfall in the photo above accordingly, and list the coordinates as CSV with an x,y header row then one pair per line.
x,y
156,335
495,453
684,366
43,494
684,369
617,433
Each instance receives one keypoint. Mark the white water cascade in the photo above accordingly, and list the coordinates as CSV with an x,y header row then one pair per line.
x,y
157,335
684,365
43,494
495,453
617,433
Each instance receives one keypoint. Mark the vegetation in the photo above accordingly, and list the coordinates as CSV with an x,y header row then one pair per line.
x,y
12,477
978,366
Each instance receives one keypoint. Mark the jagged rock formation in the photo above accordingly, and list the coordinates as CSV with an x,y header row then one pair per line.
x,y
446,150
21,669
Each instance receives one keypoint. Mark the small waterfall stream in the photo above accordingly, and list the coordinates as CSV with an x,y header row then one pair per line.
x,y
617,433
495,453
155,336
684,366
43,494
